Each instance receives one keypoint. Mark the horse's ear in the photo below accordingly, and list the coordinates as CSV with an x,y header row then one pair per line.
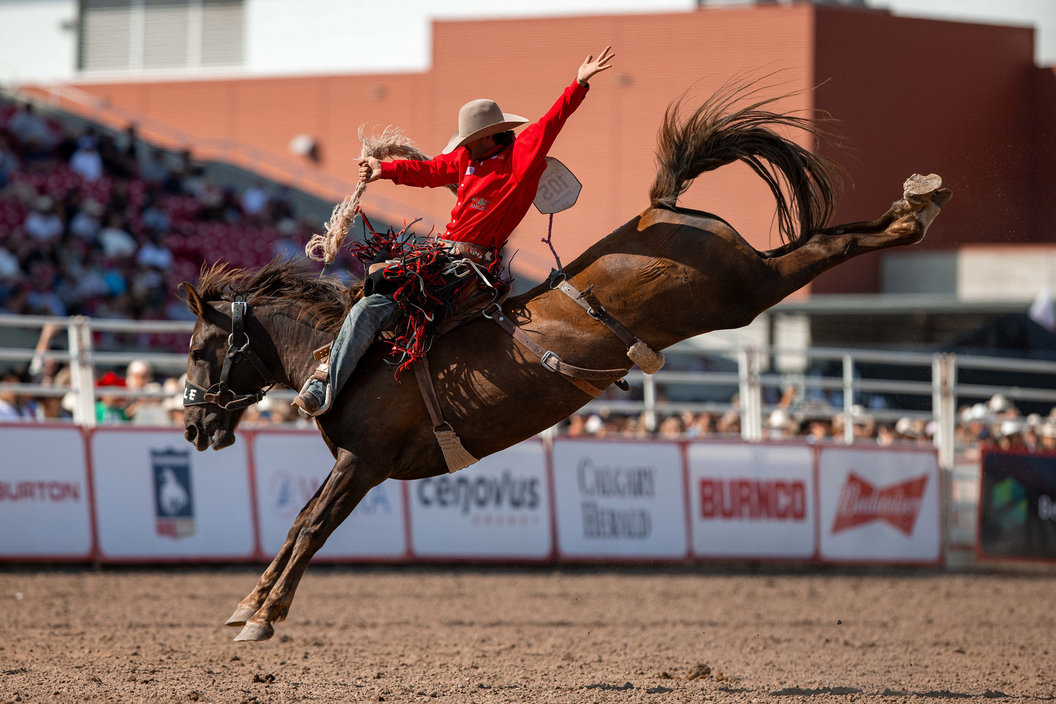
x,y
194,302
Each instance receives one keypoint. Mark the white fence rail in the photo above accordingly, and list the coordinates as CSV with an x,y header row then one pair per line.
x,y
749,380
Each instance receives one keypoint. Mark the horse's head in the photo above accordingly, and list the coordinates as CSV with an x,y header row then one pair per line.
x,y
224,374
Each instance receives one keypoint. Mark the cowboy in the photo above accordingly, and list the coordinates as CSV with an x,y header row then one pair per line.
x,y
497,176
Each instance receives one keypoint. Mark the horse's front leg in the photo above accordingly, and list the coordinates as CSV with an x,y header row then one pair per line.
x,y
248,606
903,224
348,483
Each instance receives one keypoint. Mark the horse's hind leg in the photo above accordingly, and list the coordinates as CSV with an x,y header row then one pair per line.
x,y
248,606
344,489
903,224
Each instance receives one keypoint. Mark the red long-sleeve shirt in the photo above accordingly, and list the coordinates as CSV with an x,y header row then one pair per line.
x,y
493,193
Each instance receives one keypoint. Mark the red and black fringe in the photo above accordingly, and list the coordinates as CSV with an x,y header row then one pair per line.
x,y
422,291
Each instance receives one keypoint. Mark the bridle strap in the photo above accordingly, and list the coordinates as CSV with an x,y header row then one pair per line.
x,y
220,394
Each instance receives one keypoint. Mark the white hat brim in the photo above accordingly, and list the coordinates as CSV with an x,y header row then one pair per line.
x,y
509,121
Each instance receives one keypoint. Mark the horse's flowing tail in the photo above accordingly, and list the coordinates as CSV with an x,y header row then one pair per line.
x,y
806,186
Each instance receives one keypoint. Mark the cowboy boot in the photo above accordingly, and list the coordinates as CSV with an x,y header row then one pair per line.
x,y
316,395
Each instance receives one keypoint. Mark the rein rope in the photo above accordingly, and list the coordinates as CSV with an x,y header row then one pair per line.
x,y
391,143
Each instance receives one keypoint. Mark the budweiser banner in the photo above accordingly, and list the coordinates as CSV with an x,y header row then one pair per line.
x,y
619,499
752,501
879,505
1017,512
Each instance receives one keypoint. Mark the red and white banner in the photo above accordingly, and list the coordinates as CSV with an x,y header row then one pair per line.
x,y
290,466
752,501
498,508
152,497
619,499
44,495
879,505
157,498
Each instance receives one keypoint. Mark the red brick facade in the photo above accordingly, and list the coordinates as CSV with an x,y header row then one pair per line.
x,y
961,100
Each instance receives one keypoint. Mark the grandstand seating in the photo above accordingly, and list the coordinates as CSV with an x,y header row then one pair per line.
x,y
37,170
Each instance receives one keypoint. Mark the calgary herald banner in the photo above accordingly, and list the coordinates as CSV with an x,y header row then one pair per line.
x,y
879,505
619,499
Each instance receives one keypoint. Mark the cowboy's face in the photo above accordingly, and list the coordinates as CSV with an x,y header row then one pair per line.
x,y
479,147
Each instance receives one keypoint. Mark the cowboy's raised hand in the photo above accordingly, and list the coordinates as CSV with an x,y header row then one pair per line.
x,y
369,169
591,67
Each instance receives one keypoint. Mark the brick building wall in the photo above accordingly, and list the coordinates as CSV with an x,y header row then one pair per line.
x,y
911,95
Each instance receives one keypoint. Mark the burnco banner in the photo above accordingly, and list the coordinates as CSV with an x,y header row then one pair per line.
x,y
752,501
619,499
879,505
43,494
1017,508
156,497
497,508
290,466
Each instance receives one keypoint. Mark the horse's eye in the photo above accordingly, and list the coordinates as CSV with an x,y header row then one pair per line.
x,y
197,356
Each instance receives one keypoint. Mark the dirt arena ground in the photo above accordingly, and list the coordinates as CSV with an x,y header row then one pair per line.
x,y
530,635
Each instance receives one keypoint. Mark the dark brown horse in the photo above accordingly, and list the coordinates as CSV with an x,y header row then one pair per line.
x,y
667,275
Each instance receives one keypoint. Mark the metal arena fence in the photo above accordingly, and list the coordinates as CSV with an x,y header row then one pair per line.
x,y
751,374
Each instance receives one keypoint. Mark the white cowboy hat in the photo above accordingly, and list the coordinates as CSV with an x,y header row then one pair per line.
x,y
481,118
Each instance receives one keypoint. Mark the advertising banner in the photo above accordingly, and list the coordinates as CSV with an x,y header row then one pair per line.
x,y
619,499
44,502
290,467
752,501
498,508
1017,511
879,505
157,497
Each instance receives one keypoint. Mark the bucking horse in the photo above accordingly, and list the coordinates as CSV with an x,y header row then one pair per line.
x,y
668,274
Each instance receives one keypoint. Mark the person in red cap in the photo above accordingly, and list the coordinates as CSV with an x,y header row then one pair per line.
x,y
497,175
109,407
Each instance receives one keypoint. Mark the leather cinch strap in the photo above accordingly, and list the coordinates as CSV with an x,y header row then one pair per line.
x,y
425,383
590,303
575,375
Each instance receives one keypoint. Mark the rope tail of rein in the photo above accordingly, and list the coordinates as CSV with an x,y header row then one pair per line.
x,y
391,143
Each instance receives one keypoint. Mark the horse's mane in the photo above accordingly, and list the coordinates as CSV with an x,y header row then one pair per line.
x,y
323,299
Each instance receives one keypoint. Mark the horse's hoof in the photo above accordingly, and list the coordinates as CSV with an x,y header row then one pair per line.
x,y
241,615
941,197
255,632
917,187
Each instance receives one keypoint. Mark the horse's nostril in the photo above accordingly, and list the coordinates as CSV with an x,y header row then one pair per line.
x,y
191,433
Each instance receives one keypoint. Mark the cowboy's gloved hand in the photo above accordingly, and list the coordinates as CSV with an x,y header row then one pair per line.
x,y
591,67
369,169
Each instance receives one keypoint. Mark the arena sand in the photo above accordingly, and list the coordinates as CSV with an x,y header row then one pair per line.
x,y
530,635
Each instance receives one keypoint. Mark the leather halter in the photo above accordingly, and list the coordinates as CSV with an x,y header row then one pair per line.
x,y
220,394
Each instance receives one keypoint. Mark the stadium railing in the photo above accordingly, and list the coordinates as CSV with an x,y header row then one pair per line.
x,y
753,376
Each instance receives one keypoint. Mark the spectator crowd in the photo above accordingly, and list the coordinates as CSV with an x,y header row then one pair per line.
x,y
102,224
997,422
138,396
105,225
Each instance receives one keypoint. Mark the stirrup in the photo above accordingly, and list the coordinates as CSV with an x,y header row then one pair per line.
x,y
305,400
